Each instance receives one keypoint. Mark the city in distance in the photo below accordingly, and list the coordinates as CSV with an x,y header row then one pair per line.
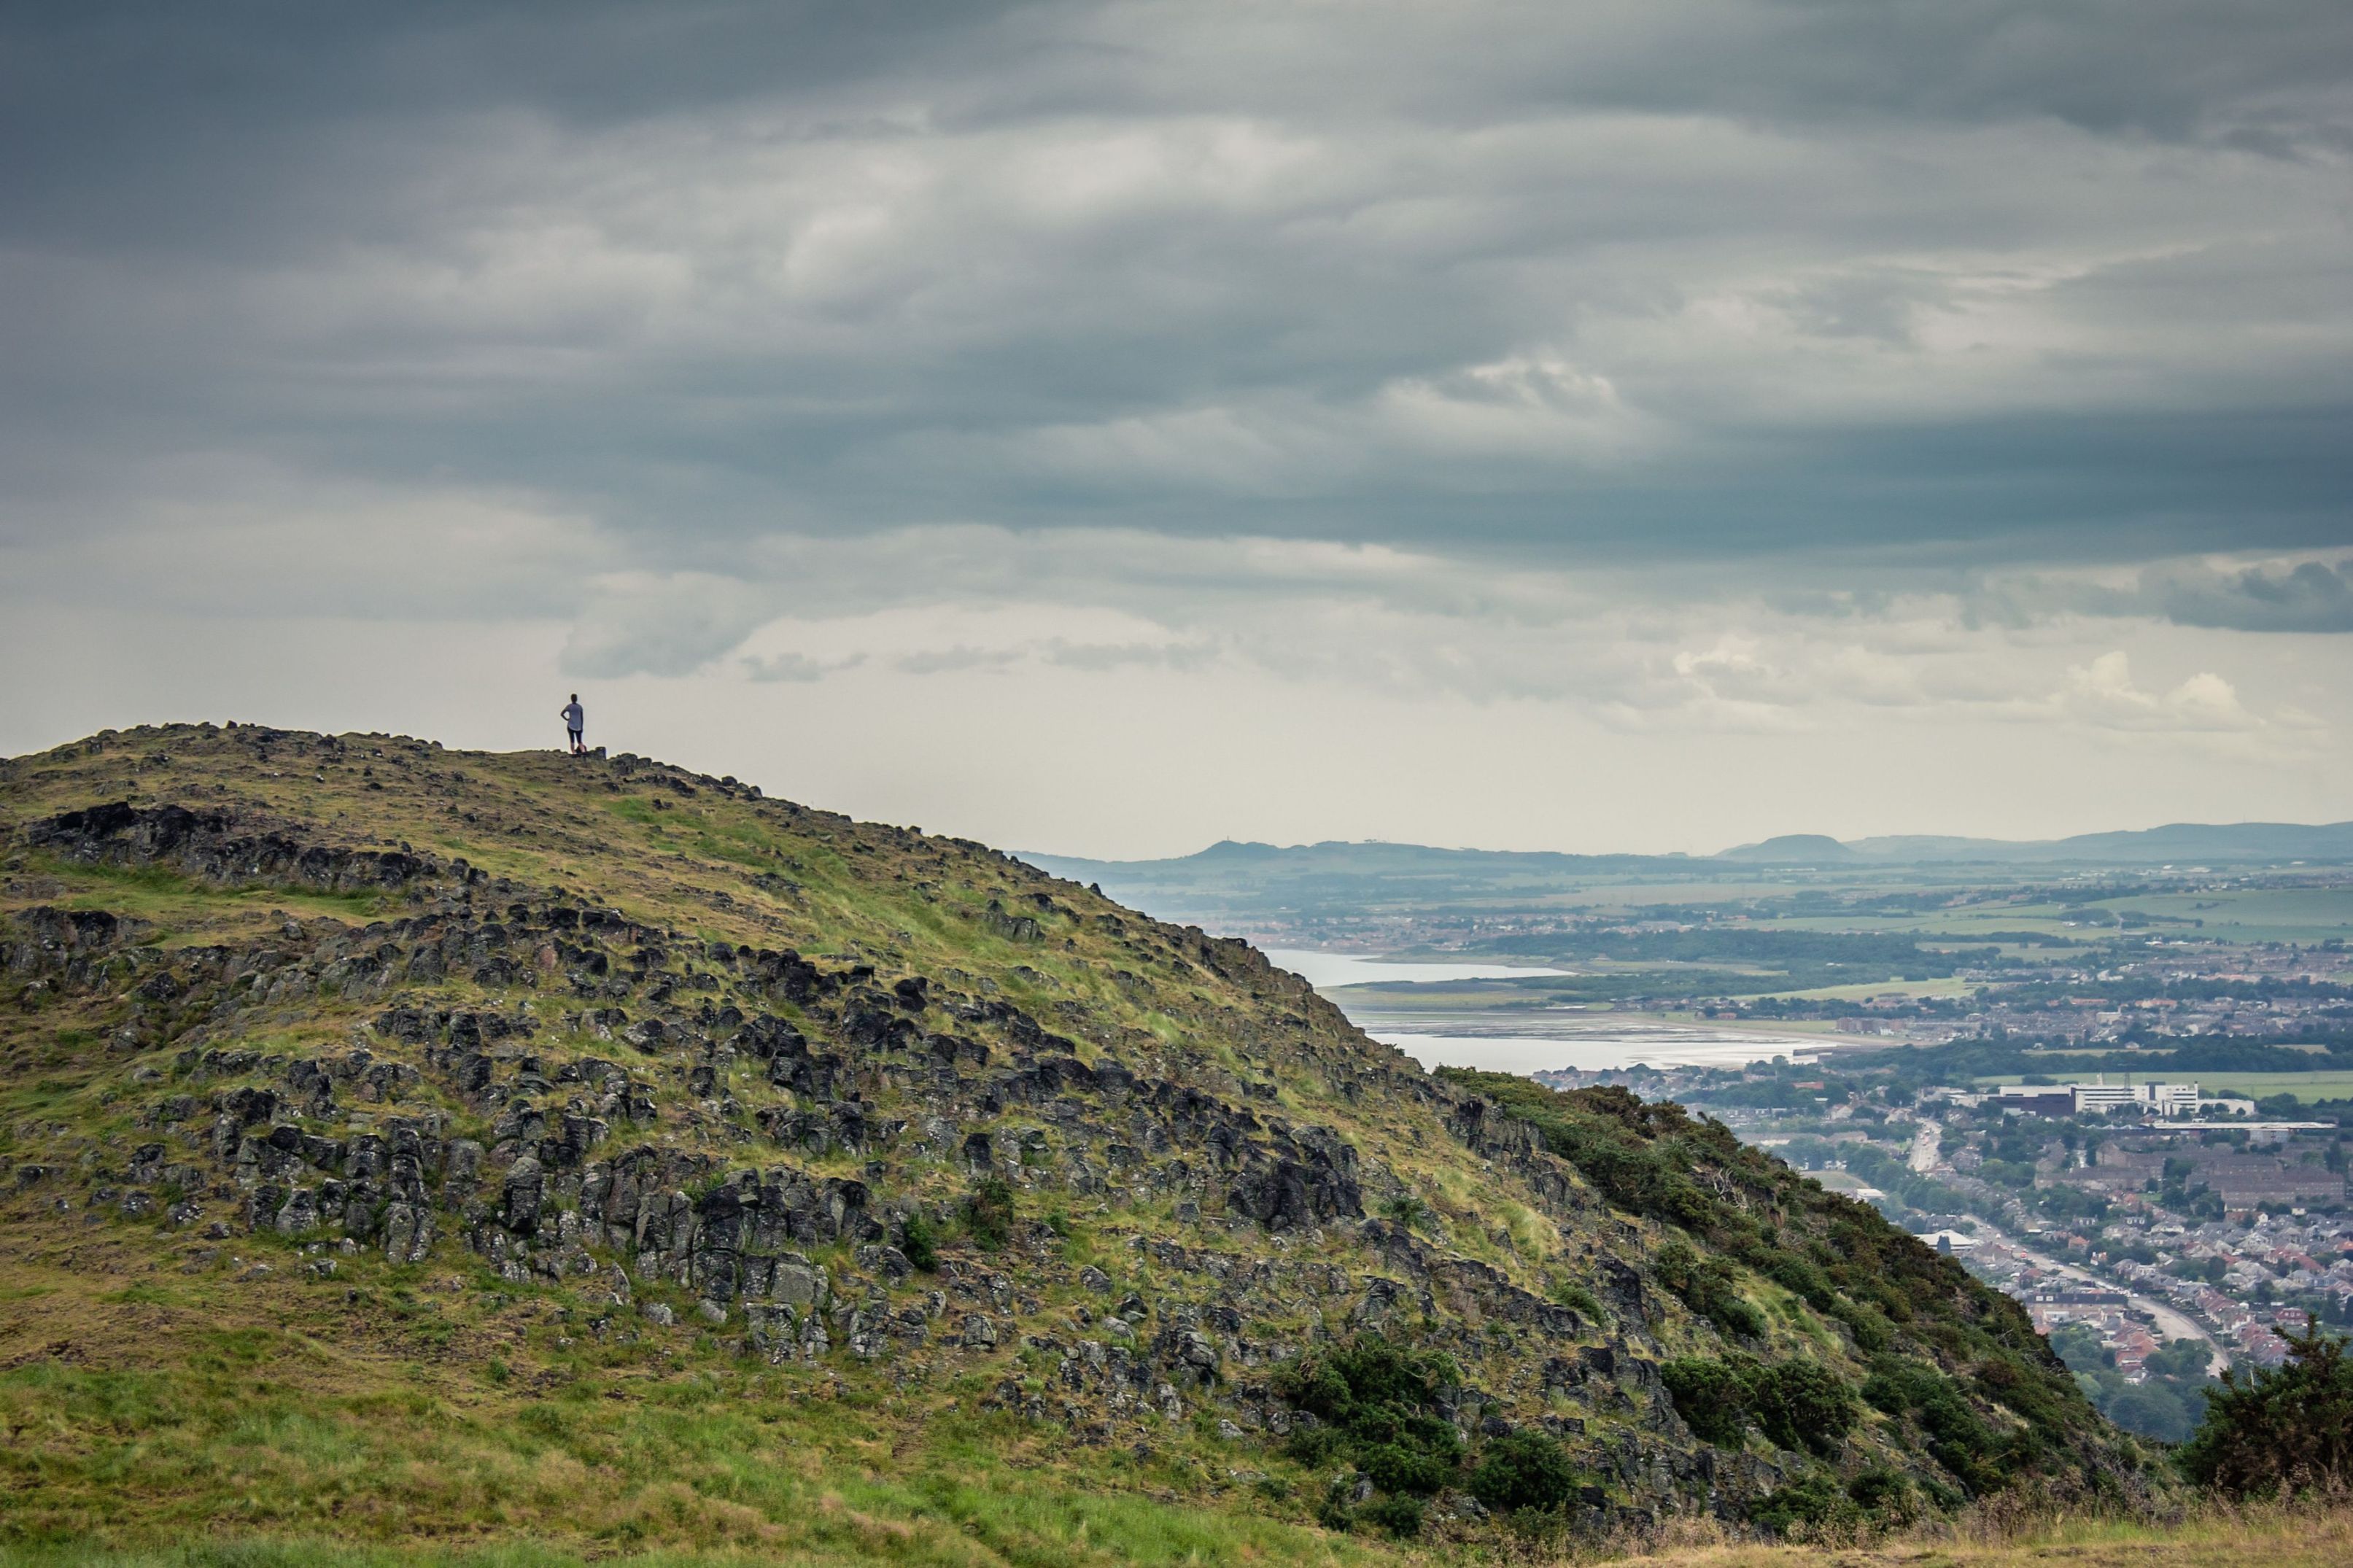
x,y
2113,1074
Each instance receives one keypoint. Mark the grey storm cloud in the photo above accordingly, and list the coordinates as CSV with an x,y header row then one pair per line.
x,y
1829,285
2312,596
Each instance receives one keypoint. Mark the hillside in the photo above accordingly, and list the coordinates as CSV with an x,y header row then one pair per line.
x,y
405,1144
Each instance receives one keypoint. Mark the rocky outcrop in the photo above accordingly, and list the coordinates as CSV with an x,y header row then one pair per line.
x,y
208,845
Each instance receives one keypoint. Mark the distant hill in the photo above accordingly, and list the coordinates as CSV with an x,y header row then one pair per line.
x,y
2239,842
1793,849
1251,886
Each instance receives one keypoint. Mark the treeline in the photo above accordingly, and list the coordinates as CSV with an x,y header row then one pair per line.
x,y
1957,1061
1867,955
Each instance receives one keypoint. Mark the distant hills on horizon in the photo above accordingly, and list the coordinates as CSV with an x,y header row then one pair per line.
x,y
2236,843
2182,843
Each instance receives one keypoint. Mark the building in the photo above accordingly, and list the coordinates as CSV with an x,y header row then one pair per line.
x,y
2151,1098
2104,1099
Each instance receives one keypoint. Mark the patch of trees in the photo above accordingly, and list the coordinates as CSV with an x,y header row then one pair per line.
x,y
2167,1404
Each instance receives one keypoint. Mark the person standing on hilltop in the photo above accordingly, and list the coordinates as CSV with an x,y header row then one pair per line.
x,y
575,719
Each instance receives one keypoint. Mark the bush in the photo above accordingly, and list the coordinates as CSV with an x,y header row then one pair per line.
x,y
988,1214
916,1240
1377,1403
1708,1286
1814,1499
2282,1430
1710,1396
1411,1469
1872,1332
1958,1439
1576,1293
1799,1403
1524,1470
1881,1490
1409,1211
1317,1446
1397,1516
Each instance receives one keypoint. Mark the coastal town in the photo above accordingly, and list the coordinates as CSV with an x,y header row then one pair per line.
x,y
2157,1233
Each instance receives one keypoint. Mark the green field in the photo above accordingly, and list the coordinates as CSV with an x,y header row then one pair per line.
x,y
2305,1086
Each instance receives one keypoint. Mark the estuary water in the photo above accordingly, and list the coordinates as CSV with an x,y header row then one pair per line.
x,y
1590,1040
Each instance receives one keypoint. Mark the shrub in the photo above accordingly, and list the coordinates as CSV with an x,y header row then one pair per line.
x,y
1872,1332
916,1240
1317,1446
1801,1279
1377,1403
2281,1430
1578,1294
1409,1468
1524,1470
1710,1396
1814,1499
1880,1490
1408,1210
988,1214
1397,1516
1706,1285
1799,1403
1958,1439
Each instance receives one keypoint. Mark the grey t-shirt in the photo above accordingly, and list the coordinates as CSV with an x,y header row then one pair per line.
x,y
574,716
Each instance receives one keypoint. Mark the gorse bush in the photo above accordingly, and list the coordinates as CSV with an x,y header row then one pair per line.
x,y
1397,1516
1957,1438
1710,1396
1708,1286
988,1214
1881,1490
2286,1430
1800,1404
1814,1499
1797,1403
1524,1470
916,1240
1377,1403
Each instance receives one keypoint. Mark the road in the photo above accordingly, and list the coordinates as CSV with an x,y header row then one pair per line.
x,y
1926,1144
2171,1323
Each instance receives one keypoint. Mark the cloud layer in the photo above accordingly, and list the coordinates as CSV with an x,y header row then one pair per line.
x,y
1814,369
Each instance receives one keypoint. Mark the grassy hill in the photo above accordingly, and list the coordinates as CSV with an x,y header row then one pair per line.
x,y
427,1150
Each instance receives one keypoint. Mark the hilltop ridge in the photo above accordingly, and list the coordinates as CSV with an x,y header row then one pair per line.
x,y
565,1094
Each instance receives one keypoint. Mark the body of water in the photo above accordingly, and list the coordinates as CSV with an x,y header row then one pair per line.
x,y
1326,969
1611,1042
1527,1042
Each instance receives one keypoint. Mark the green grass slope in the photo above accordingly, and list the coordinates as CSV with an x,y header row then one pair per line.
x,y
404,1145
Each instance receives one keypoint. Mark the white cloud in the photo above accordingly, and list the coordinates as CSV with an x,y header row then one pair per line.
x,y
2102,693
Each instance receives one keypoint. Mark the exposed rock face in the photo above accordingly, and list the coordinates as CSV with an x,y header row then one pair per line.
x,y
741,1139
207,845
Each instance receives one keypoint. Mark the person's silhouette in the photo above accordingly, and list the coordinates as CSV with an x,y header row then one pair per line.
x,y
575,719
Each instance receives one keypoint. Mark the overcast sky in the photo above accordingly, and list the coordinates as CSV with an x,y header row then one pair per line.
x,y
1105,428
